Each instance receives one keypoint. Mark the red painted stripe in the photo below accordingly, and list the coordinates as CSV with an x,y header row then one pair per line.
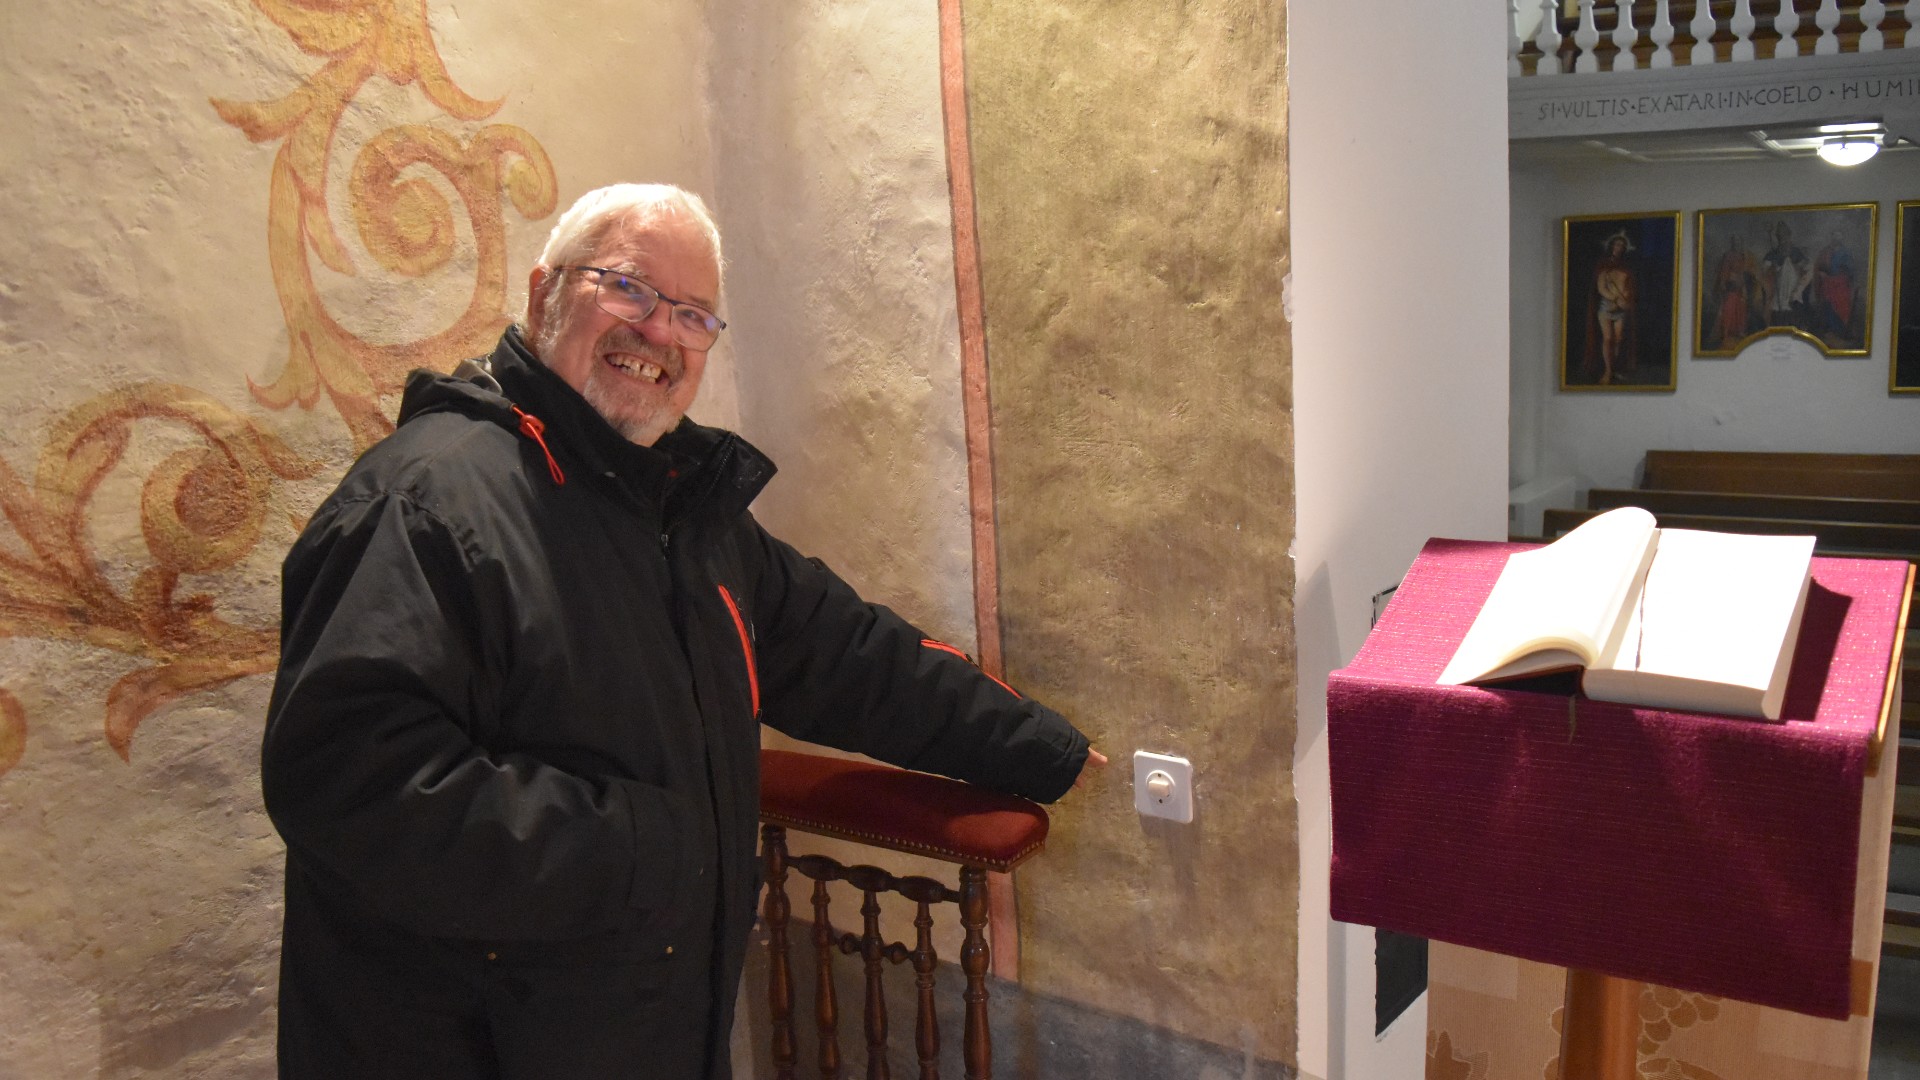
x,y
970,298
746,649
970,302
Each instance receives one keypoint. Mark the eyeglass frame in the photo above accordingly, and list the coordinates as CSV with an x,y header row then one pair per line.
x,y
673,305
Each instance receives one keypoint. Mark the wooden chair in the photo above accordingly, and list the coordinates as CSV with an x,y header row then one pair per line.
x,y
973,828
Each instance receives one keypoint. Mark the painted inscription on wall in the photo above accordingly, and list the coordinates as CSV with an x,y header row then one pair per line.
x,y
1806,89
1704,105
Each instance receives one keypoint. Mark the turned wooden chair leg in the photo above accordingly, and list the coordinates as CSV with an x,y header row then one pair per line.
x,y
975,958
779,973
927,1029
826,1014
873,949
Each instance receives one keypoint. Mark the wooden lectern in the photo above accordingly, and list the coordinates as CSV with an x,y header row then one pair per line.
x,y
1704,853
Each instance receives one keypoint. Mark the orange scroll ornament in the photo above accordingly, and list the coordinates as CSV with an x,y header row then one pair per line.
x,y
201,510
405,220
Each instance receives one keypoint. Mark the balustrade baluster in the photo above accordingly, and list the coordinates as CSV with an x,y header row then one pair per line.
x,y
825,1014
1742,26
1702,28
1826,19
779,973
873,948
927,1024
1873,15
1548,39
1662,35
1786,23
974,958
1625,36
1587,38
1513,38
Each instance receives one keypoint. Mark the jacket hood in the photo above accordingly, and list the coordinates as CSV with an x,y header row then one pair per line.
x,y
695,466
471,389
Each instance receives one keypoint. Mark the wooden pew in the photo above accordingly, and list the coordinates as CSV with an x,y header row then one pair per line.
x,y
1854,476
1833,537
1741,504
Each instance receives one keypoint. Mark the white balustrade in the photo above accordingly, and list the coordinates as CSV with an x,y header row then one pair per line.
x,y
1702,29
1744,24
1586,38
1548,39
1662,35
1786,24
1742,27
1826,19
1625,37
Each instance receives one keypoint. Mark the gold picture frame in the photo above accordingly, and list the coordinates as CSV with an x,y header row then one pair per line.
x,y
1802,271
1619,301
1903,363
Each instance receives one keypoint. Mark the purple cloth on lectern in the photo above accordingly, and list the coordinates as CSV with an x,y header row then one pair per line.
x,y
1704,853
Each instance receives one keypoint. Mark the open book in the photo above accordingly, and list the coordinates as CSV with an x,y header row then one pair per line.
x,y
1667,618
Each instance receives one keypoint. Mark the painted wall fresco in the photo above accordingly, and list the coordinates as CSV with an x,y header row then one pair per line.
x,y
404,220
236,226
201,510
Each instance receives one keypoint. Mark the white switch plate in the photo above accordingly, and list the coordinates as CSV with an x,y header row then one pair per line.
x,y
1178,803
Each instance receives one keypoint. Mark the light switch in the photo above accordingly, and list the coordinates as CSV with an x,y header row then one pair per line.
x,y
1163,786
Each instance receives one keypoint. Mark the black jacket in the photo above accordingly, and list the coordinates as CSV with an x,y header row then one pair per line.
x,y
512,744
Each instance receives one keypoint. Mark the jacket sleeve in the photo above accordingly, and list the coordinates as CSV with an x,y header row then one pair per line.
x,y
372,773
841,672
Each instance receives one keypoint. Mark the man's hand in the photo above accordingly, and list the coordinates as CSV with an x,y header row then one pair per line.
x,y
1095,760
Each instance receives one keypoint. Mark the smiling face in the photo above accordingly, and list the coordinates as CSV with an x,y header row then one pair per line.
x,y
633,374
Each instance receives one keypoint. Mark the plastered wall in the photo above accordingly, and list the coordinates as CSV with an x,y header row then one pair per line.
x,y
1131,169
1399,297
831,180
234,227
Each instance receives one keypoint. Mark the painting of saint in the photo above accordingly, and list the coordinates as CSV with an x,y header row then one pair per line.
x,y
1806,271
1904,374
1618,301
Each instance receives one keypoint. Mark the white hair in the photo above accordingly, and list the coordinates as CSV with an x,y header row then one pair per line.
x,y
579,231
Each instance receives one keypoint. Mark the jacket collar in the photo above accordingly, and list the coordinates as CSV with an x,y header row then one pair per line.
x,y
690,469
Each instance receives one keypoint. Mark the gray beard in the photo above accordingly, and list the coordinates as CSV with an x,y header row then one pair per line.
x,y
641,430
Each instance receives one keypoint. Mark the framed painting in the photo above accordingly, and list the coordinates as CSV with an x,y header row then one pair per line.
x,y
1619,301
1806,271
1903,375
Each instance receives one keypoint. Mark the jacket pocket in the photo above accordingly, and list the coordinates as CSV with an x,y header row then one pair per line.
x,y
746,649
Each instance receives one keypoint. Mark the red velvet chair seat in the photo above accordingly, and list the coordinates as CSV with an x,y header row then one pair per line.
x,y
904,811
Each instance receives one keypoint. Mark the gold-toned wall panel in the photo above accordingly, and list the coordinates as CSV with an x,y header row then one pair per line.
x,y
1130,163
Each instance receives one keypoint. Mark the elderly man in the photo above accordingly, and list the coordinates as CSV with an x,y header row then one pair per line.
x,y
513,744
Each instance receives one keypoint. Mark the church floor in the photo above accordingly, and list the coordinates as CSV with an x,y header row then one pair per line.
x,y
1896,1023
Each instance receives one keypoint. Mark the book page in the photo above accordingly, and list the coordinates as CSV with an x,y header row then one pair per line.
x,y
1717,608
1566,596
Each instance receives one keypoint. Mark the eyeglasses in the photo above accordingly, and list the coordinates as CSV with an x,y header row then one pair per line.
x,y
627,298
